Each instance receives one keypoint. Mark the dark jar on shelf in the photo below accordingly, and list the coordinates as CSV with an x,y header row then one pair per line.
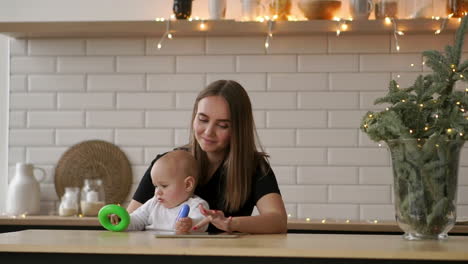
x,y
182,8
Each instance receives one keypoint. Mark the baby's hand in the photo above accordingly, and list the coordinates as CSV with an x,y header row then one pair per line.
x,y
114,219
183,225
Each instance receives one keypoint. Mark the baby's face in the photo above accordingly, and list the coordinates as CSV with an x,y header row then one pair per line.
x,y
171,189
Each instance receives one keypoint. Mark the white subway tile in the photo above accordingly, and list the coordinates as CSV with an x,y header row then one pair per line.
x,y
277,137
46,119
32,101
358,157
354,81
267,63
366,141
390,62
62,83
18,83
250,81
273,100
291,210
297,82
31,137
49,207
113,119
328,63
32,65
145,100
44,155
74,136
176,82
201,64
17,119
85,64
297,44
49,194
327,175
16,154
372,194
381,212
463,176
327,137
422,42
345,119
137,173
85,100
116,82
176,46
142,64
168,119
144,137
296,119
327,211
181,136
285,174
375,175
46,177
56,47
462,194
185,100
259,119
328,100
18,46
367,100
151,153
135,155
297,156
304,194
118,46
462,212
359,43
235,45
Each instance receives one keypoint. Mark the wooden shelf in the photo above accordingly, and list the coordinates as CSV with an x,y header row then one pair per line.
x,y
61,29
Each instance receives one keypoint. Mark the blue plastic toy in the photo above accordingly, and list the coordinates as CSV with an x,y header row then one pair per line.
x,y
184,211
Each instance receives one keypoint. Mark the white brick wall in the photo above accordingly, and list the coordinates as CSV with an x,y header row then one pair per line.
x,y
308,92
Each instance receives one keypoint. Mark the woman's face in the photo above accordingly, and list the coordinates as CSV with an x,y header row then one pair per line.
x,y
212,125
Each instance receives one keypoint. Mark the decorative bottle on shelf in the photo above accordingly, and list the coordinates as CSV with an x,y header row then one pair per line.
x,y
69,202
92,197
24,193
182,8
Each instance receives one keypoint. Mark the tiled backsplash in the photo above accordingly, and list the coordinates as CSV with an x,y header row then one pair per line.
x,y
308,92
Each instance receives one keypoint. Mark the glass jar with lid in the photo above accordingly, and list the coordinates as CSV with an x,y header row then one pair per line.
x,y
92,197
69,202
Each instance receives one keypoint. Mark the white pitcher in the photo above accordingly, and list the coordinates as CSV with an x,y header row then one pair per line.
x,y
24,193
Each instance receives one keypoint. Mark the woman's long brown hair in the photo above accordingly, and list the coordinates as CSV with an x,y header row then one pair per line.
x,y
242,156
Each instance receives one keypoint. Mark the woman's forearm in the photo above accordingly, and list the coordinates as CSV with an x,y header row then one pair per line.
x,y
260,224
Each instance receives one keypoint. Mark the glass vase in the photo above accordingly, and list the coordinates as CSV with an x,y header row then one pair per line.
x,y
425,174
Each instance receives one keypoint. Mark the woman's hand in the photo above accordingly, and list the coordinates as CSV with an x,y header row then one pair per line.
x,y
183,225
215,217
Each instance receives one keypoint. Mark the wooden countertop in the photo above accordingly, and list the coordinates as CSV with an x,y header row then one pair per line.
x,y
279,245
293,224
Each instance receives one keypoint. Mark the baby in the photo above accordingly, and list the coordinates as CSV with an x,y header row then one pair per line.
x,y
175,176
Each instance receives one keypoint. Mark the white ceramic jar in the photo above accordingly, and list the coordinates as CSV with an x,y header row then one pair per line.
x,y
24,194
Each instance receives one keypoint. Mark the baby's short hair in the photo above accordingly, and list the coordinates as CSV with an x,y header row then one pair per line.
x,y
183,161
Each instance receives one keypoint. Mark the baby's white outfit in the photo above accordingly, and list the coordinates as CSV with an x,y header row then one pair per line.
x,y
152,215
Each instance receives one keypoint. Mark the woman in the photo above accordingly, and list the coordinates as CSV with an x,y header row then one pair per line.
x,y
234,176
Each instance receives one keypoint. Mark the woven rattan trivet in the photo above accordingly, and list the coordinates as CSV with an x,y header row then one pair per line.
x,y
95,159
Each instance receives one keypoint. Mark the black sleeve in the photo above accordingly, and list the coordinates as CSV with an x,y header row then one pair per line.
x,y
264,182
145,190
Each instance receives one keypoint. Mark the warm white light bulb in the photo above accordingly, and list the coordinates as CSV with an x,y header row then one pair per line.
x,y
388,21
344,27
169,36
437,32
159,46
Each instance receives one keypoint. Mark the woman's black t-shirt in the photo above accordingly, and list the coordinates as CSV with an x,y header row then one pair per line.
x,y
213,191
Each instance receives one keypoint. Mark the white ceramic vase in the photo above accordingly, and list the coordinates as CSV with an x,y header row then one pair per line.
x,y
24,193
217,9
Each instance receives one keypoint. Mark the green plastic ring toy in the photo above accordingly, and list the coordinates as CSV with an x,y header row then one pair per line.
x,y
119,211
